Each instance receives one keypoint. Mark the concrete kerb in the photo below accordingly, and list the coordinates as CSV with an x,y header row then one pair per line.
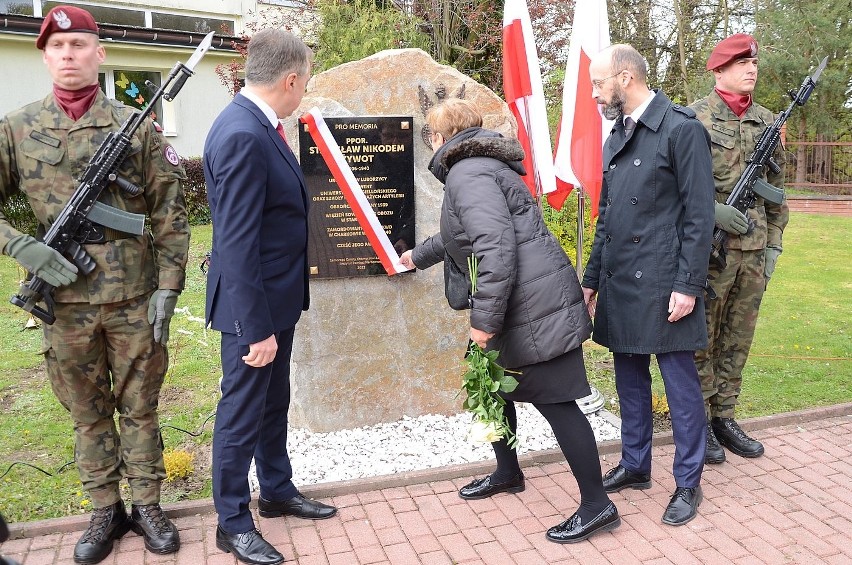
x,y
355,486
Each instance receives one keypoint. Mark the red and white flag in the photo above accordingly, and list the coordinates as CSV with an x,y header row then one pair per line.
x,y
582,129
352,191
525,96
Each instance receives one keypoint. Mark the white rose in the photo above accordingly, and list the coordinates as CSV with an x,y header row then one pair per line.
x,y
484,432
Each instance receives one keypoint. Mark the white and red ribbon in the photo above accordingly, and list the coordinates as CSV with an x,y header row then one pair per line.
x,y
351,188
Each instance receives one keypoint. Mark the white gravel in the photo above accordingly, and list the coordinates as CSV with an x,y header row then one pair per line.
x,y
412,444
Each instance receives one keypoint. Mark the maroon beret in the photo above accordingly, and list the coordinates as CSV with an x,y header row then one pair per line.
x,y
65,19
737,46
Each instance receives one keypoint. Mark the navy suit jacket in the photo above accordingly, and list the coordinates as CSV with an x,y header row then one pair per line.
x,y
257,284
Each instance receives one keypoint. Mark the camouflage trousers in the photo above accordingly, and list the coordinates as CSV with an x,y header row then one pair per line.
x,y
731,319
102,360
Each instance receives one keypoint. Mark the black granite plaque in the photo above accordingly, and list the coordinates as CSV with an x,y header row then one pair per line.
x,y
380,152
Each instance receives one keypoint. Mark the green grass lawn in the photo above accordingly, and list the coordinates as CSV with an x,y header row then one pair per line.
x,y
802,351
35,429
802,357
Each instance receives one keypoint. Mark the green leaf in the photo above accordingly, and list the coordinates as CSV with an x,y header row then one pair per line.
x,y
508,385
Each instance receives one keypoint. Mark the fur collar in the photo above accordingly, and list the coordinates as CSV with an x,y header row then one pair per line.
x,y
500,148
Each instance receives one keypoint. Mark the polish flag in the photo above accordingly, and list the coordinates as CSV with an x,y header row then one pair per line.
x,y
582,129
525,96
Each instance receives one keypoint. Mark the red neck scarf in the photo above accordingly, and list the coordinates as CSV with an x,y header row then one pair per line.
x,y
75,103
738,103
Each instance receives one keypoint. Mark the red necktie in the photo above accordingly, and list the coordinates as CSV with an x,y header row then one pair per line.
x,y
280,130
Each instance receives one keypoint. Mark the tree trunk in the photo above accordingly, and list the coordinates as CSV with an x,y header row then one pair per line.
x,y
801,154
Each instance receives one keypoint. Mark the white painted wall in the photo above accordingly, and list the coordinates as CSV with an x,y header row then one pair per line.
x,y
26,80
200,100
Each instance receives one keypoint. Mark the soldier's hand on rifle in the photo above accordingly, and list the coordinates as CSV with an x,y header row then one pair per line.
x,y
42,261
161,308
770,258
730,219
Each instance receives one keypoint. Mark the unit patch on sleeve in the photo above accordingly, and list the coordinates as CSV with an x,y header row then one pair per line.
x,y
171,155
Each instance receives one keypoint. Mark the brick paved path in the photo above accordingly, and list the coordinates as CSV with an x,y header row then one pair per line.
x,y
793,505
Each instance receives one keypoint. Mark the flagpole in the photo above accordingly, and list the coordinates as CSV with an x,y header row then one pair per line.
x,y
581,208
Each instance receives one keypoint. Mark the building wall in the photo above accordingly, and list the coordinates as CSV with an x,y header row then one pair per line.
x,y
186,120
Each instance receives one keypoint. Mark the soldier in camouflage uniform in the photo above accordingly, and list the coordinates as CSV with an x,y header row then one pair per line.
x,y
735,124
106,352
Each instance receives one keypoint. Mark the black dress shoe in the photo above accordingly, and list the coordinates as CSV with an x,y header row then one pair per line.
x,y
618,478
105,526
714,453
248,547
483,488
683,506
150,522
296,506
573,529
734,438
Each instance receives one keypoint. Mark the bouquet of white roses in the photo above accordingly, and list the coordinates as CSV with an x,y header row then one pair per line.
x,y
482,380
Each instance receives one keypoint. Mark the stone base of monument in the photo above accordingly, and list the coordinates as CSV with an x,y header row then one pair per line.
x,y
413,444
375,349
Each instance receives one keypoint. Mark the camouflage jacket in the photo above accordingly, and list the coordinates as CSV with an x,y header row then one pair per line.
x,y
733,140
43,152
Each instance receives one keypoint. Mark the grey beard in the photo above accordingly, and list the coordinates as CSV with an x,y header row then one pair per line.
x,y
615,108
612,112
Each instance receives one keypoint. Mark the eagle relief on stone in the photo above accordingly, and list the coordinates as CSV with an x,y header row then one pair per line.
x,y
426,103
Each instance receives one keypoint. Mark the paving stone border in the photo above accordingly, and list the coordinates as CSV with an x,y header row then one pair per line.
x,y
327,490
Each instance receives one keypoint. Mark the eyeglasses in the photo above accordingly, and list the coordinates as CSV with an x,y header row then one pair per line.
x,y
599,83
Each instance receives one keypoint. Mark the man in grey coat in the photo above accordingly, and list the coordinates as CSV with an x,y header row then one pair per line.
x,y
645,279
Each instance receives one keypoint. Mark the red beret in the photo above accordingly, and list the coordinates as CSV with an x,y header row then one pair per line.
x,y
731,48
65,19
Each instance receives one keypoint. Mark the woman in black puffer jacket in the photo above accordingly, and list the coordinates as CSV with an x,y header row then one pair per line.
x,y
528,304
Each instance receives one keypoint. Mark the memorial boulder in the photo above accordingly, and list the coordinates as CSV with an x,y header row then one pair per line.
x,y
373,349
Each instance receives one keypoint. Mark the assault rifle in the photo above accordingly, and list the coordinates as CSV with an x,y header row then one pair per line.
x,y
751,184
83,217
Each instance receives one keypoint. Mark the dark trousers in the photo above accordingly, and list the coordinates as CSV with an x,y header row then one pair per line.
x,y
251,421
686,407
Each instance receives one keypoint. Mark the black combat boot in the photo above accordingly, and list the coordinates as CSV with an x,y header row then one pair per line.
x,y
4,535
714,453
150,522
106,525
731,436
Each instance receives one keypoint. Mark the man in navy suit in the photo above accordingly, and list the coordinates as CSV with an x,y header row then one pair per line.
x,y
257,287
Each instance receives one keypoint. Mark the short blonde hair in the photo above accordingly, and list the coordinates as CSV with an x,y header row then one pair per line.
x,y
452,116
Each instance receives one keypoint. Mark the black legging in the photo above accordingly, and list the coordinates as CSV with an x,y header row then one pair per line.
x,y
577,441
